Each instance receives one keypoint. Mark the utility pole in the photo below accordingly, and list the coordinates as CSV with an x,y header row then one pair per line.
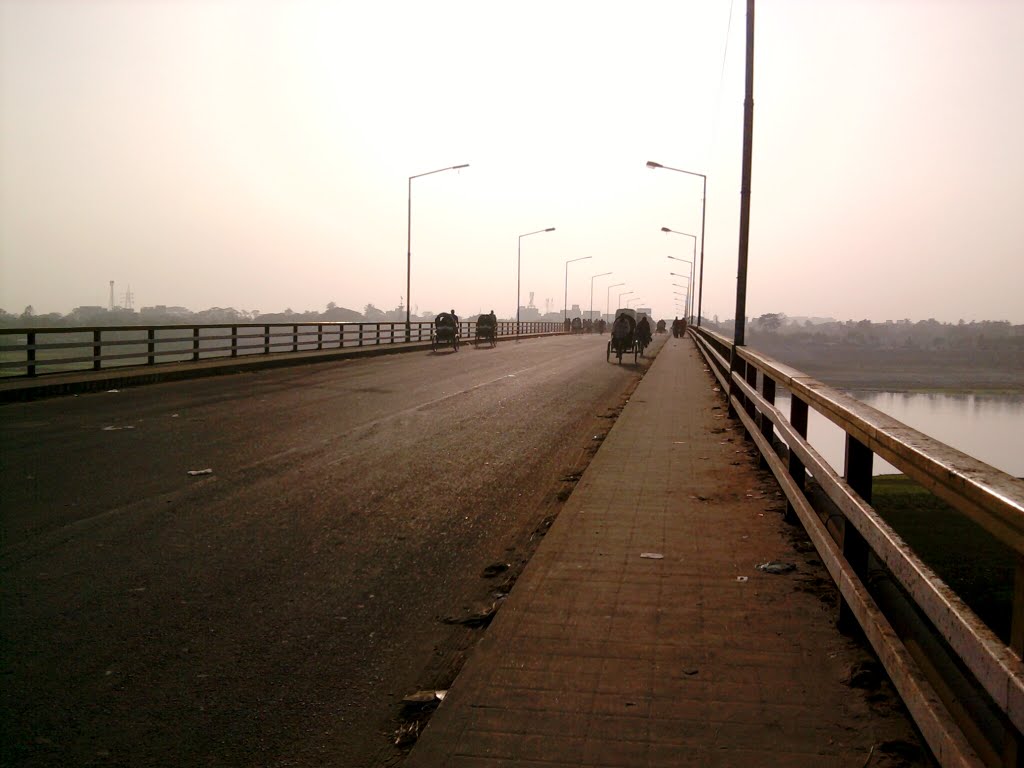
x,y
736,366
739,337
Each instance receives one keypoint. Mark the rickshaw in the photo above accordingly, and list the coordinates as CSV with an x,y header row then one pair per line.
x,y
444,332
486,330
624,336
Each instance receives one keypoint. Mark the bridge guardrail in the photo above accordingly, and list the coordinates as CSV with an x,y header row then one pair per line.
x,y
969,706
37,351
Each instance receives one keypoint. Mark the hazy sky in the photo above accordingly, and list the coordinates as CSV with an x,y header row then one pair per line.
x,y
256,154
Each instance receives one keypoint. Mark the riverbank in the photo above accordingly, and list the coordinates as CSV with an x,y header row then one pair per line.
x,y
975,565
897,370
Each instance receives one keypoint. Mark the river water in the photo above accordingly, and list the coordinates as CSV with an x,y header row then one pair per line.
x,y
988,427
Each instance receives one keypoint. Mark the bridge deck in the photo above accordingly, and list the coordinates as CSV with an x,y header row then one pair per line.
x,y
604,657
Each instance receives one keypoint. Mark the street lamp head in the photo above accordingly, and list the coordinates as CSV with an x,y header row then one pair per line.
x,y
652,164
456,167
665,229
550,229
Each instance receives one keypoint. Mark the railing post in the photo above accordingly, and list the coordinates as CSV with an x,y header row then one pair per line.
x,y
798,418
737,367
266,339
97,349
751,377
360,335
767,428
195,344
151,345
376,331
320,336
30,353
859,459
1012,741
234,341
295,338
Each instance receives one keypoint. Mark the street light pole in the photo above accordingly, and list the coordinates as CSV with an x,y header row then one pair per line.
x,y
703,209
675,232
624,293
686,300
608,298
689,291
519,261
408,248
593,277
565,301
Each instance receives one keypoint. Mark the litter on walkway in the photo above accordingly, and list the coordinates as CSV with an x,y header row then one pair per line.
x,y
118,429
774,566
194,472
652,555
494,569
424,698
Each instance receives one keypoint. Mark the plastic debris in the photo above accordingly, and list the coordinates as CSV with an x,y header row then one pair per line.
x,y
494,569
113,391
194,472
118,429
774,566
407,734
424,698
742,578
652,555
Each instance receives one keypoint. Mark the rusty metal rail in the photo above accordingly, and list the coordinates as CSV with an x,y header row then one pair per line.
x,y
33,351
941,694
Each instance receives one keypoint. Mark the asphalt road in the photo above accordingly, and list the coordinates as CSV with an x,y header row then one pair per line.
x,y
275,611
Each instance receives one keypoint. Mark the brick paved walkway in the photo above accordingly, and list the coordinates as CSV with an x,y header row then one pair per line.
x,y
604,657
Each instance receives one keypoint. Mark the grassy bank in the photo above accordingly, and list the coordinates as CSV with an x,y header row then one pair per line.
x,y
971,561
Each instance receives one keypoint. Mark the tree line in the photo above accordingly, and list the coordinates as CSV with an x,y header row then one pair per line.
x,y
925,335
88,316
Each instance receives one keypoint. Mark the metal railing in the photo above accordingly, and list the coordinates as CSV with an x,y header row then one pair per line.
x,y
33,351
963,686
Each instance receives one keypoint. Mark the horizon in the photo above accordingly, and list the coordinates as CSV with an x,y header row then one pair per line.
x,y
788,319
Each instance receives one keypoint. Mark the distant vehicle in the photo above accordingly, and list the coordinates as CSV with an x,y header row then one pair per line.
x,y
444,332
486,330
624,340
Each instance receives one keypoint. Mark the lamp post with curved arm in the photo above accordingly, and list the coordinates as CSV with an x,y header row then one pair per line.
x,y
689,277
703,209
408,248
565,301
624,293
629,301
592,278
519,261
608,299
687,234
